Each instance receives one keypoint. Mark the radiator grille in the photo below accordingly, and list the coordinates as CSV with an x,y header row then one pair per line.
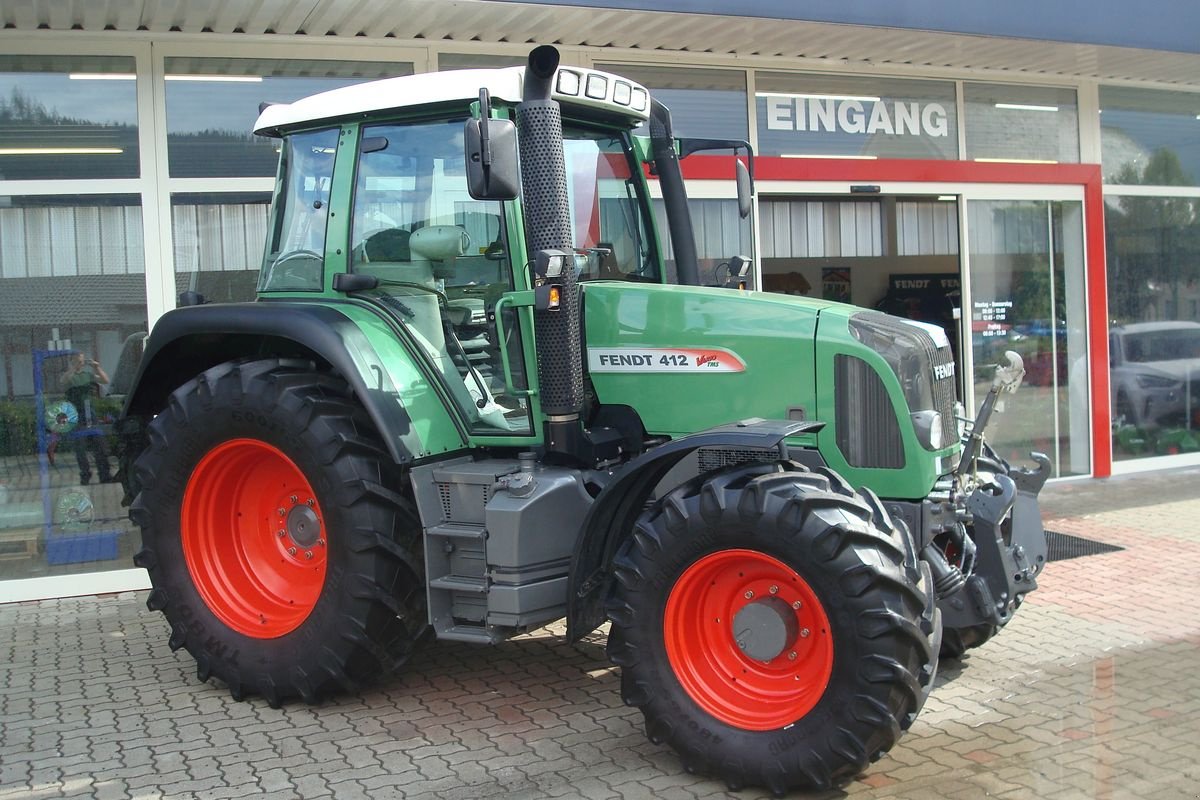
x,y
920,365
867,432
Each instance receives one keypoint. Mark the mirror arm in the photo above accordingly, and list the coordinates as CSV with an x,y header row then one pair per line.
x,y
485,143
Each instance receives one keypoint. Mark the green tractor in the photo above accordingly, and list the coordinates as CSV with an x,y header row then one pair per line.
x,y
468,402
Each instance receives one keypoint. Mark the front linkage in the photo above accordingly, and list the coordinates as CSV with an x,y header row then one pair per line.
x,y
983,537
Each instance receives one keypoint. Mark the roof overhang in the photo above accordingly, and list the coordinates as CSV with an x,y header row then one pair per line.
x,y
802,42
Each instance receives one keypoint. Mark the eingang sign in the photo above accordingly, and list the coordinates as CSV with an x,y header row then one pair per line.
x,y
851,115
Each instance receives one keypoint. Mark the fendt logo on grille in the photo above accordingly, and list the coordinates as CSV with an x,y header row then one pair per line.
x,y
941,371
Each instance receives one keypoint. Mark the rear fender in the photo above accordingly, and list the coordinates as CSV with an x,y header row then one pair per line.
x,y
187,341
610,520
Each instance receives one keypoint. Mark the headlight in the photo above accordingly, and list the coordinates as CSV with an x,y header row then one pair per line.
x,y
928,425
1156,382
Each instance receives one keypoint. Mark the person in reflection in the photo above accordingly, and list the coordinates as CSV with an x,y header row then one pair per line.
x,y
83,380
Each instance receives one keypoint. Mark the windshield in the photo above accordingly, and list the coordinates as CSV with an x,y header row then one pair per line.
x,y
608,214
1163,345
295,256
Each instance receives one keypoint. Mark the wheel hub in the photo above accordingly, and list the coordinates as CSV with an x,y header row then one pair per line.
x,y
765,628
748,639
303,526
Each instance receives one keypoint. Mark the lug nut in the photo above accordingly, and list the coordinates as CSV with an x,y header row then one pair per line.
x,y
308,553
792,656
797,605
291,551
281,533
749,595
310,502
320,542
804,633
295,499
774,590
282,512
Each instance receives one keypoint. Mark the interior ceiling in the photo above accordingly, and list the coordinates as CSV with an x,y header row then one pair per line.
x,y
482,21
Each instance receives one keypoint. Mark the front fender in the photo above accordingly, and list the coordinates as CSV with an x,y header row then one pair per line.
x,y
610,519
187,341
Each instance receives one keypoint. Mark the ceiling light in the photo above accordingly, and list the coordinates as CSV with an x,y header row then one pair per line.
x,y
1025,107
102,76
60,151
823,155
217,78
947,198
860,98
1016,161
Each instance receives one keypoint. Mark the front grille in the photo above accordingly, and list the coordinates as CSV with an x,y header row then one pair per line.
x,y
916,359
945,392
866,428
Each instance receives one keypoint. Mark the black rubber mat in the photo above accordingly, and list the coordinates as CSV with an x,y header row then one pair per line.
x,y
1062,546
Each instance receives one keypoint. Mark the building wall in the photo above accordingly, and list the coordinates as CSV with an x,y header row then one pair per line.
x,y
127,175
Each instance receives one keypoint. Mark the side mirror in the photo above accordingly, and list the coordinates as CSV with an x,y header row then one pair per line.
x,y
745,188
491,156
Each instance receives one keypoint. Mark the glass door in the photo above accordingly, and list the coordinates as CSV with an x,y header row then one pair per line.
x,y
1027,295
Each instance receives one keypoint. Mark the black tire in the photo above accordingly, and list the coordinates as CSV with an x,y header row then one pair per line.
x,y
368,610
877,598
957,641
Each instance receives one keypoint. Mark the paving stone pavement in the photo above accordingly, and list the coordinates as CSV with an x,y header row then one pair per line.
x,y
1093,691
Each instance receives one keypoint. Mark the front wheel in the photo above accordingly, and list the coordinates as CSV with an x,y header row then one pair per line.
x,y
277,543
773,627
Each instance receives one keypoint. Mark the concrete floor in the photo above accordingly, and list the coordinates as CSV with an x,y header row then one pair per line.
x,y
1093,691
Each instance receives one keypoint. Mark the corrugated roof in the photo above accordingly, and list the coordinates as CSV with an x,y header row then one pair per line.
x,y
485,22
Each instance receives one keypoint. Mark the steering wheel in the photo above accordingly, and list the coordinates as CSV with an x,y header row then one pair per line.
x,y
294,254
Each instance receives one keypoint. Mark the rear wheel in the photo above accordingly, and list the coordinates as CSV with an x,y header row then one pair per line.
x,y
773,627
279,549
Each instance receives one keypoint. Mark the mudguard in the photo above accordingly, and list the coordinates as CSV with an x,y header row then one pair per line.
x,y
187,341
611,517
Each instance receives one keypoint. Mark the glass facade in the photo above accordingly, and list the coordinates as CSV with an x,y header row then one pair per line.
x,y
1150,137
67,115
1027,296
212,104
1151,140
838,116
1021,123
1153,246
72,324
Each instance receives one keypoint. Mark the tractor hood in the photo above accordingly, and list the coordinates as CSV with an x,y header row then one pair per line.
x,y
732,355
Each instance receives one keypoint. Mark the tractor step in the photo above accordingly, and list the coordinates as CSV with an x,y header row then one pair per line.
x,y
458,583
475,634
453,530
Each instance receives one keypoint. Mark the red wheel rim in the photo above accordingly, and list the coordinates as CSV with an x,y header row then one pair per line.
x,y
703,649
254,538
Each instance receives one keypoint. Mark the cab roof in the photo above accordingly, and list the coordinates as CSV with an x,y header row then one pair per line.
x,y
430,88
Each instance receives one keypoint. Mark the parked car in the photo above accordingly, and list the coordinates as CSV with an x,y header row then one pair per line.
x,y
1155,373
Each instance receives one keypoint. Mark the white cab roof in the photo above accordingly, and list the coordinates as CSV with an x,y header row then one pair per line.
x,y
425,89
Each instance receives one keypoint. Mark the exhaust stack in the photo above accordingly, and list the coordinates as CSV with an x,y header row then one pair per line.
x,y
548,227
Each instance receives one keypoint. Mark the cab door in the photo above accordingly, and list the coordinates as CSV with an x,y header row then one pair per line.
x,y
443,260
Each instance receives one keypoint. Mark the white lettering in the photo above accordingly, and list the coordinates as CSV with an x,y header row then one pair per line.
x,y
851,117
880,121
821,115
779,114
908,119
933,120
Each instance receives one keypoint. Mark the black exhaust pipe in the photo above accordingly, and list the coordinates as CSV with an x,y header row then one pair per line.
x,y
670,180
548,227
